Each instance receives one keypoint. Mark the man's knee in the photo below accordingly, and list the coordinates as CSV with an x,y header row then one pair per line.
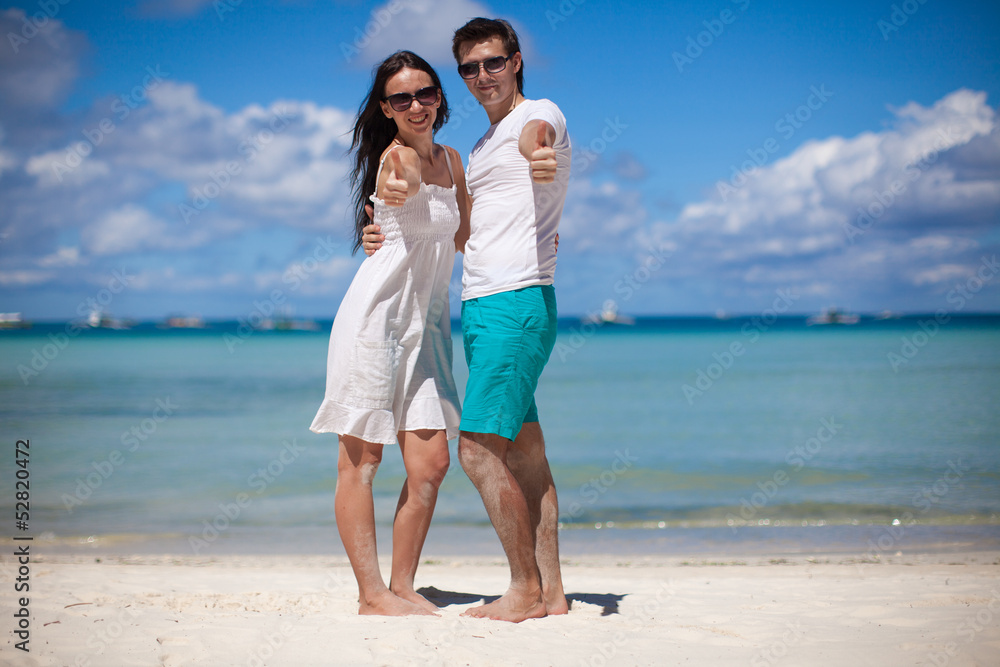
x,y
469,452
476,449
529,441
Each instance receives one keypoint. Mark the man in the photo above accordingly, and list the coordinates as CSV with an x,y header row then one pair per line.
x,y
518,174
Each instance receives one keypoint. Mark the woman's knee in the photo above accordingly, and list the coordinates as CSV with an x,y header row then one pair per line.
x,y
432,468
359,458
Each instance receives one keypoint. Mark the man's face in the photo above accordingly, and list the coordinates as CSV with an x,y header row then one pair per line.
x,y
491,89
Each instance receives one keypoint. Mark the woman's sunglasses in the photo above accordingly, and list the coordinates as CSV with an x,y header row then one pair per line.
x,y
492,66
402,101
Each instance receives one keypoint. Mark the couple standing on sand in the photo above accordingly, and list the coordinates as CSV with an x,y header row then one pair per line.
x,y
389,376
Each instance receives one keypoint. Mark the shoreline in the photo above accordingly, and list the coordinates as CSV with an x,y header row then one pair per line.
x,y
876,540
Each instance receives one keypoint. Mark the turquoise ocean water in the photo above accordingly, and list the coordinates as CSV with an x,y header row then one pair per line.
x,y
669,436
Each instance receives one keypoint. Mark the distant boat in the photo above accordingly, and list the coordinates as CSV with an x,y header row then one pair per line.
x,y
609,315
287,324
285,321
13,321
184,322
833,316
888,315
98,319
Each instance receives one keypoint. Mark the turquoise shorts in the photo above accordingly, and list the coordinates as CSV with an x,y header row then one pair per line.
x,y
508,339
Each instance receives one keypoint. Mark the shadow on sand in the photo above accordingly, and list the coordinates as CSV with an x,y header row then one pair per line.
x,y
607,601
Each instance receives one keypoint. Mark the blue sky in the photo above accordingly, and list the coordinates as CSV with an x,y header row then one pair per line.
x,y
187,156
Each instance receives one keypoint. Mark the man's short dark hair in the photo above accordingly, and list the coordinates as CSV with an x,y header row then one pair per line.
x,y
480,29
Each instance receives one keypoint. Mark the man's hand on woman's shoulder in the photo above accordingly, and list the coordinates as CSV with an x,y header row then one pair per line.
x,y
371,239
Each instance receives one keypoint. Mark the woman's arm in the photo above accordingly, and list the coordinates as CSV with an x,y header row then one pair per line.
x,y
400,177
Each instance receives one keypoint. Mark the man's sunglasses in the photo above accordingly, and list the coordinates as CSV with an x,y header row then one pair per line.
x,y
402,101
492,66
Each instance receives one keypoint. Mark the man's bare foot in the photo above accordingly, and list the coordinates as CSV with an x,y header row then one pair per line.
x,y
513,607
417,599
555,603
388,603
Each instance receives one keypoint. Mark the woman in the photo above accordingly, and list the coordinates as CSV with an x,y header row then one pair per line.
x,y
389,372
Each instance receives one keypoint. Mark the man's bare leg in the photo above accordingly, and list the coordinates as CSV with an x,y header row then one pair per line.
x,y
425,455
355,509
530,468
484,458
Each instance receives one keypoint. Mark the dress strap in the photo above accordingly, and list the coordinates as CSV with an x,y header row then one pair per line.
x,y
447,156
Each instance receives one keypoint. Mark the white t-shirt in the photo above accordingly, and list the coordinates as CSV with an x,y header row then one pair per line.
x,y
514,220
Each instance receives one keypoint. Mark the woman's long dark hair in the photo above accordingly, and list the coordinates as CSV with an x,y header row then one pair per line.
x,y
373,132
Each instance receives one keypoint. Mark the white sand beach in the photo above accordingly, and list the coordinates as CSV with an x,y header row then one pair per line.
x,y
941,609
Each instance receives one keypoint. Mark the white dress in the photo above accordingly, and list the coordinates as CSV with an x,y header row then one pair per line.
x,y
389,367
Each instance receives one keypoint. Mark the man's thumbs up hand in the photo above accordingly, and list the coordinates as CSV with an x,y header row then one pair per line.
x,y
543,156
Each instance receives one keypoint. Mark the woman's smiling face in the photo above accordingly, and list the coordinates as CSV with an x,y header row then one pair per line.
x,y
417,118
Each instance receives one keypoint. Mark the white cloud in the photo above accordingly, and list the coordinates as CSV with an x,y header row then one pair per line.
x,y
282,163
600,216
795,223
278,170
38,66
904,206
305,278
64,256
425,27
24,278
126,229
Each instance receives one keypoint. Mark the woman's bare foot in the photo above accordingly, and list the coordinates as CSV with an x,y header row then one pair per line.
x,y
388,603
512,606
417,599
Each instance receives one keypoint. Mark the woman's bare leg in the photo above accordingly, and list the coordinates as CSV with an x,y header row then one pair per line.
x,y
355,509
425,455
